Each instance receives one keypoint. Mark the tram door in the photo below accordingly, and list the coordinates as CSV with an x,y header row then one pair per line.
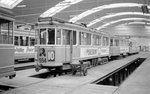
x,y
68,42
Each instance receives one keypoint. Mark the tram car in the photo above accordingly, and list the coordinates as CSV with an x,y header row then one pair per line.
x,y
114,47
24,41
118,47
133,48
61,43
6,43
124,46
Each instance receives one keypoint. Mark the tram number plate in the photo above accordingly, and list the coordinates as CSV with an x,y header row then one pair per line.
x,y
42,60
51,55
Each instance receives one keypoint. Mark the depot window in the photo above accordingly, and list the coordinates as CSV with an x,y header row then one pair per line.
x,y
6,31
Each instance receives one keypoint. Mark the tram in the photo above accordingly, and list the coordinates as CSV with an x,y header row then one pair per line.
x,y
6,43
133,47
24,41
118,46
61,43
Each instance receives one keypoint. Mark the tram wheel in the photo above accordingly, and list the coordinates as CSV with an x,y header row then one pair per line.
x,y
37,69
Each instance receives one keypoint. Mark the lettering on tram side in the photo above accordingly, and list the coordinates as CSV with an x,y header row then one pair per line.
x,y
104,51
19,50
24,49
86,52
30,50
91,51
42,55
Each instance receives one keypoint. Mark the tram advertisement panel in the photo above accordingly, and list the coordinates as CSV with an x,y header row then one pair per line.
x,y
86,52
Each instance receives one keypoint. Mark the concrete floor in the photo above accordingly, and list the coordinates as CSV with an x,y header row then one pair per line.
x,y
66,84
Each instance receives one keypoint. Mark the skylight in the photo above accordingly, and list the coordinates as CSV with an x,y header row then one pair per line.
x,y
114,15
125,19
59,7
9,3
100,8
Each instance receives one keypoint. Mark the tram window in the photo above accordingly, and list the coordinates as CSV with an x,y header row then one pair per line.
x,y
88,39
1,41
116,42
121,43
10,32
99,40
32,41
74,37
66,37
23,41
16,40
6,32
105,41
58,37
51,36
43,35
85,38
96,40
111,42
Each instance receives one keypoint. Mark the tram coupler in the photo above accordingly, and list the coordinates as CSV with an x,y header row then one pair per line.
x,y
37,68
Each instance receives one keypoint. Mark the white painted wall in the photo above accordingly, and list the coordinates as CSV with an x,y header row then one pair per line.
x,y
132,30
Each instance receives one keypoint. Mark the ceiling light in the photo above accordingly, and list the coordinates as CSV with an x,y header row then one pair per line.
x,y
9,3
59,7
125,19
100,8
114,15
21,6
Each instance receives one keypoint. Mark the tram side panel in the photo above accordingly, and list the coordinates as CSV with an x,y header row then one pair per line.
x,y
24,52
24,41
6,61
114,50
6,43
60,43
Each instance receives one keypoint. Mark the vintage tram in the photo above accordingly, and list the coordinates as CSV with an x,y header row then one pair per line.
x,y
118,46
24,41
61,43
6,43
